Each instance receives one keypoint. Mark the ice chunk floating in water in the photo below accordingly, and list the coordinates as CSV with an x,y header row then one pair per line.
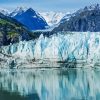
x,y
60,47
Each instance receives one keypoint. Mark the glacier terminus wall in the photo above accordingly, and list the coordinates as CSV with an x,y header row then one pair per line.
x,y
67,46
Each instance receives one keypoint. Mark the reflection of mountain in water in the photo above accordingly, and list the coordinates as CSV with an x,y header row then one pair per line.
x,y
53,85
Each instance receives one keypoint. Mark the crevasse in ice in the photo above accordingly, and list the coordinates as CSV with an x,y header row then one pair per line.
x,y
60,47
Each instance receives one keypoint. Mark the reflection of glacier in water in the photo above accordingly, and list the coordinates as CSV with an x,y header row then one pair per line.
x,y
54,84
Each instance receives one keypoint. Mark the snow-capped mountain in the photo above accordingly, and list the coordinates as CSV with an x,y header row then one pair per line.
x,y
18,11
52,18
47,18
4,11
65,18
30,18
86,19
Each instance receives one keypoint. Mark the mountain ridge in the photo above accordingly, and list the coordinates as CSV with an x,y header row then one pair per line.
x,y
86,19
34,20
11,31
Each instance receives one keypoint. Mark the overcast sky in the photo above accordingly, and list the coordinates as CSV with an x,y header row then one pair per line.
x,y
48,5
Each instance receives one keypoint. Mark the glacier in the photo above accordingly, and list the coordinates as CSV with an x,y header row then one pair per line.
x,y
64,46
53,18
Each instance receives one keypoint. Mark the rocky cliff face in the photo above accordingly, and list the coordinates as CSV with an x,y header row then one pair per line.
x,y
87,19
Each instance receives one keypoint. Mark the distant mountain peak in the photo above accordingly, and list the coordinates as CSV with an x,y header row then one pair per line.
x,y
94,6
18,11
52,18
21,9
89,8
4,11
86,19
30,18
30,9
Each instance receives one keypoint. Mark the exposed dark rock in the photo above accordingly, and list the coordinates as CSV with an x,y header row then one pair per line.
x,y
12,64
87,19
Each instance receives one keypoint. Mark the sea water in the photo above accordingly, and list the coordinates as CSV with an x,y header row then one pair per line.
x,y
50,84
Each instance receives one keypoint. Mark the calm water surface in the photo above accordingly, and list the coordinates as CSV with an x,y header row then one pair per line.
x,y
50,84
